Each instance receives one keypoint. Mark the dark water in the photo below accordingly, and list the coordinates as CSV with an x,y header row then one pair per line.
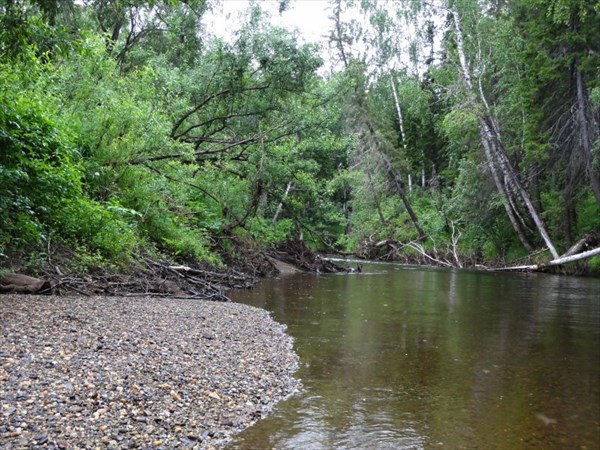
x,y
408,358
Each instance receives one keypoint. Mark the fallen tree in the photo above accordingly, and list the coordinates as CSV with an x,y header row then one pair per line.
x,y
555,262
23,284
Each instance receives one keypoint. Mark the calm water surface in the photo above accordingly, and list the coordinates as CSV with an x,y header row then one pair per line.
x,y
407,358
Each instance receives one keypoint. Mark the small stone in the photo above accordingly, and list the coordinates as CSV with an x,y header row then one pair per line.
x,y
188,382
176,396
41,439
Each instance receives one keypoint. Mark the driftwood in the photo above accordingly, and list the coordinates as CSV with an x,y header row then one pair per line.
x,y
555,262
297,254
392,250
588,241
419,248
152,278
282,267
585,248
23,284
582,249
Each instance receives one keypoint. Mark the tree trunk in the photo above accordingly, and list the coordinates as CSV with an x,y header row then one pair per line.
x,y
510,173
403,197
338,37
535,188
586,136
280,205
557,261
116,32
492,144
375,195
366,130
505,197
399,112
569,214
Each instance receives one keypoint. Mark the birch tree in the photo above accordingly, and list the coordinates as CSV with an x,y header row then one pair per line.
x,y
360,120
505,176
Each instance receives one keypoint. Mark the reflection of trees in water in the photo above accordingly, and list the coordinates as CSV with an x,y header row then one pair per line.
x,y
428,356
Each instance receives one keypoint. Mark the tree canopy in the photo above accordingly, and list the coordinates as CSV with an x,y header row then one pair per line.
x,y
450,132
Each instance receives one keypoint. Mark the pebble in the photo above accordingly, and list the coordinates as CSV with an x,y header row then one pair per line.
x,y
87,372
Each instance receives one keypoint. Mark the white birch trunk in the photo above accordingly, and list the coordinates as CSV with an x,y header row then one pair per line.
x,y
557,261
505,196
399,112
493,146
278,210
510,173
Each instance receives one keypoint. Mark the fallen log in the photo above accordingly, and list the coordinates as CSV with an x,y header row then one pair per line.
x,y
588,240
555,262
23,284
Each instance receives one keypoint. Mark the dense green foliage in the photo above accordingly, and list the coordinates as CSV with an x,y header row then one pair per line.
x,y
128,128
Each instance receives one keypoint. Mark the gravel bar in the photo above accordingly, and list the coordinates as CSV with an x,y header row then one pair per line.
x,y
115,372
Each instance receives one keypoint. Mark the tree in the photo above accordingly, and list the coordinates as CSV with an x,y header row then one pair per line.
x,y
559,51
373,146
505,176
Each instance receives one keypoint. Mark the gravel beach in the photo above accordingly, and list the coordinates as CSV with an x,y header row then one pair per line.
x,y
115,372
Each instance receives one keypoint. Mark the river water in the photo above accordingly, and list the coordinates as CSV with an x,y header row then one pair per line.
x,y
408,358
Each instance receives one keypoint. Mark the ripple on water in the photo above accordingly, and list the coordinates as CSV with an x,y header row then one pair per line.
x,y
419,358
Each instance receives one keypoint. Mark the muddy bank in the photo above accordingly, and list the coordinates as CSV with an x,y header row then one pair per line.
x,y
147,372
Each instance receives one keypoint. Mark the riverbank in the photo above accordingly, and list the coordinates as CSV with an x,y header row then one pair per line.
x,y
136,372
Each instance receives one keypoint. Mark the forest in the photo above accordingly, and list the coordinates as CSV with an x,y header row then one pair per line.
x,y
458,133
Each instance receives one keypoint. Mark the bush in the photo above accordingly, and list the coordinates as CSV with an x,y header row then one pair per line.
x,y
39,167
107,231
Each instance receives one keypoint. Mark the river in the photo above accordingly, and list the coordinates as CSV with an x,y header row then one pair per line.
x,y
401,357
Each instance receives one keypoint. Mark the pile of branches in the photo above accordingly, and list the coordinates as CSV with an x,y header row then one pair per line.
x,y
296,253
392,250
154,278
248,258
413,252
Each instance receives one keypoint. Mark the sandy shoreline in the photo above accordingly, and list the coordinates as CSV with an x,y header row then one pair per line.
x,y
114,372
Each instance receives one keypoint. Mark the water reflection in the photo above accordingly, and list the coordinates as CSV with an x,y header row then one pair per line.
x,y
430,358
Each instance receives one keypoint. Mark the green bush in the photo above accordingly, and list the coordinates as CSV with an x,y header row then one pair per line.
x,y
588,214
173,236
107,231
39,165
263,230
594,265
